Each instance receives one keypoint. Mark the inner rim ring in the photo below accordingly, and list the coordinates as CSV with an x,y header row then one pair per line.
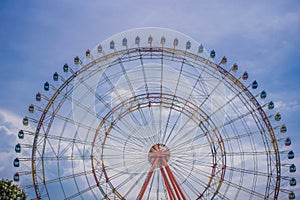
x,y
218,165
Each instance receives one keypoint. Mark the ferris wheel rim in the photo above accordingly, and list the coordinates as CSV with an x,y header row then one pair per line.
x,y
166,50
213,145
234,84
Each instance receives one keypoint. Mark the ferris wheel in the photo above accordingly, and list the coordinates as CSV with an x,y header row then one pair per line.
x,y
149,114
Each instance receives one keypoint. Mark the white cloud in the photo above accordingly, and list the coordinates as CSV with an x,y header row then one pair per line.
x,y
9,125
288,106
257,34
10,120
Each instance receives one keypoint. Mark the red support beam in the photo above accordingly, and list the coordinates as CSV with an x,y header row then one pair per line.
x,y
169,189
144,187
173,181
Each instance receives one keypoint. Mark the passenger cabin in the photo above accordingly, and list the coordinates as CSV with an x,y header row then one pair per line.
x,y
200,49
188,45
88,53
277,117
124,42
271,105
292,168
292,196
254,85
150,39
224,60
291,155
212,54
21,134
175,42
16,177
137,40
245,76
16,162
234,67
288,142
18,148
31,108
55,76
293,182
163,40
25,121
263,94
112,45
66,67
99,48
38,97
76,60
46,86
283,129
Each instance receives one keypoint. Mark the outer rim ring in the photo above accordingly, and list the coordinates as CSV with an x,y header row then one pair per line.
x,y
177,52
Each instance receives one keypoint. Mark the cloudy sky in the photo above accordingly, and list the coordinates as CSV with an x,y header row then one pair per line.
x,y
38,37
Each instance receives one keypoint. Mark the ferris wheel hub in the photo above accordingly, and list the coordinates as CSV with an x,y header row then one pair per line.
x,y
160,152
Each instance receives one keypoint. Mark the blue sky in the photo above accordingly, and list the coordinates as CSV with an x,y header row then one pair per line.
x,y
38,37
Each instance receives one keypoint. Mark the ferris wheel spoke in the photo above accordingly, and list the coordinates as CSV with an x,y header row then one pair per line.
x,y
82,191
120,164
129,157
60,158
61,151
98,99
187,180
123,135
187,101
182,140
71,121
153,119
66,177
239,117
222,196
212,91
144,73
121,175
124,140
188,144
195,160
136,183
240,136
124,185
192,170
175,92
244,189
237,134
187,121
161,93
133,93
191,145
184,127
136,140
227,102
253,172
123,151
199,162
134,164
74,178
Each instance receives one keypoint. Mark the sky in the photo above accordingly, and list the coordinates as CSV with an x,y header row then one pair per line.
x,y
38,37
